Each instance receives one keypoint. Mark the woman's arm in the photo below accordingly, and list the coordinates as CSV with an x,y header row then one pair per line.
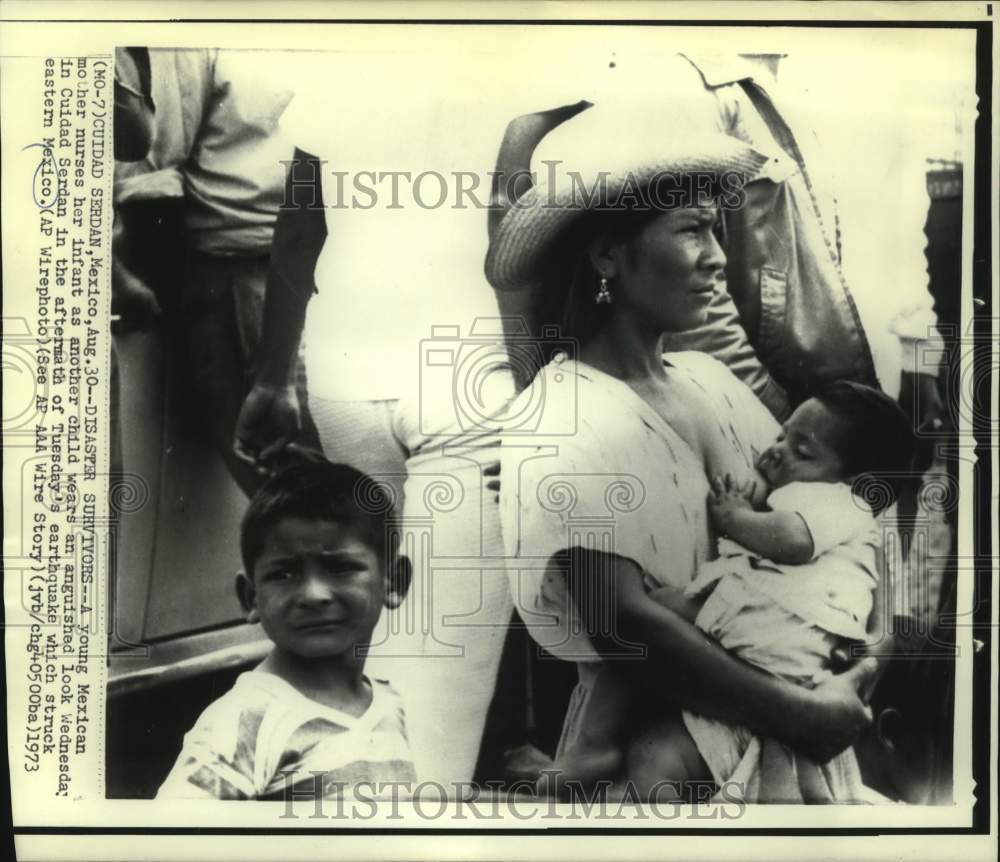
x,y
698,674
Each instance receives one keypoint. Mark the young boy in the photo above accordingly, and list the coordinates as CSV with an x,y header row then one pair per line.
x,y
795,576
320,563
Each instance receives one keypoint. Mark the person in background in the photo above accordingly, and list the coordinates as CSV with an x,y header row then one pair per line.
x,y
887,132
134,129
134,107
908,107
134,119
195,224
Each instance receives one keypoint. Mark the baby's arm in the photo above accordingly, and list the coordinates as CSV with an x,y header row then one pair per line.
x,y
722,460
779,536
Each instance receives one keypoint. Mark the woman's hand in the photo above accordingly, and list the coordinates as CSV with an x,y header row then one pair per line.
x,y
836,714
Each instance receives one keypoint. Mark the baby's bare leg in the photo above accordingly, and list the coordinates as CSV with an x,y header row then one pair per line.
x,y
663,763
596,753
680,604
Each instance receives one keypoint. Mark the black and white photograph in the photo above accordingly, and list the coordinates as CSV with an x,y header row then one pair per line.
x,y
555,418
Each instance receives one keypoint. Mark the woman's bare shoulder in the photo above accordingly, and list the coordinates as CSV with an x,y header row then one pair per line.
x,y
723,389
701,366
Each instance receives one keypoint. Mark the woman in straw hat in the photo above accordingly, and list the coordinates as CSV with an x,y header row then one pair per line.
x,y
606,452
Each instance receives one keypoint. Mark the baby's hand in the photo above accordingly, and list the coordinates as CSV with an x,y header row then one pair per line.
x,y
729,497
749,489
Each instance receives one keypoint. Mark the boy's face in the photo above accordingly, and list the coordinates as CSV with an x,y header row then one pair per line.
x,y
805,450
317,588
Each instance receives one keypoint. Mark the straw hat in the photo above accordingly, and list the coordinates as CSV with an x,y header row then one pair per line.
x,y
591,158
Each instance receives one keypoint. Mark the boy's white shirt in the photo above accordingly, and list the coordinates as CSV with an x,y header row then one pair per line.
x,y
263,737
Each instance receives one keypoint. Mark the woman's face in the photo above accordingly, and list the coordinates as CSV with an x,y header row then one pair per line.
x,y
668,272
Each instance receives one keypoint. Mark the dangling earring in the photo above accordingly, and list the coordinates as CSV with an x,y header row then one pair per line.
x,y
603,294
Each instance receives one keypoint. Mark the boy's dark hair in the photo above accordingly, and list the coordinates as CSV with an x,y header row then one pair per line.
x,y
316,489
874,438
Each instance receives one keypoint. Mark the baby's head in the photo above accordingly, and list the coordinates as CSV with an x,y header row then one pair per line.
x,y
320,560
843,431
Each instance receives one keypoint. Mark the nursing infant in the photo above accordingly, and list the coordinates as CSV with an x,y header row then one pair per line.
x,y
795,575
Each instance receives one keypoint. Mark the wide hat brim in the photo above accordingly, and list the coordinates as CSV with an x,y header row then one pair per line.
x,y
568,190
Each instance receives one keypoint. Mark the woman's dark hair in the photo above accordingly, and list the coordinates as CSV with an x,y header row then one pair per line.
x,y
874,438
313,488
569,281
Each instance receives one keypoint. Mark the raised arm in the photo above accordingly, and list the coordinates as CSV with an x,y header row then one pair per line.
x,y
696,673
269,419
